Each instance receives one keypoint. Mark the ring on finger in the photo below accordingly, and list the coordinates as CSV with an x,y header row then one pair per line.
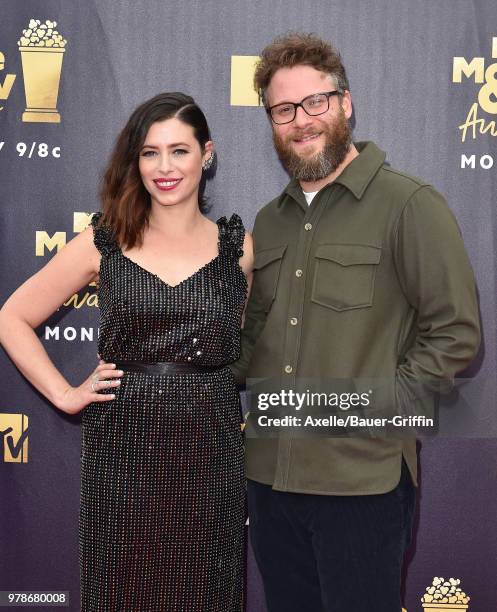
x,y
93,383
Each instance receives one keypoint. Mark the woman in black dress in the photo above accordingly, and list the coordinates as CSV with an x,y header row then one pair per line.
x,y
162,498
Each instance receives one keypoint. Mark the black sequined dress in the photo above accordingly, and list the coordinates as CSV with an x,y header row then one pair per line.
x,y
162,476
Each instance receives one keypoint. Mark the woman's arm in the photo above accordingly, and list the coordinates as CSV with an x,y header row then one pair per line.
x,y
75,266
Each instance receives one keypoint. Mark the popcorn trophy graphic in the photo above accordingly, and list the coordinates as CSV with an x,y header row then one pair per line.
x,y
445,596
42,51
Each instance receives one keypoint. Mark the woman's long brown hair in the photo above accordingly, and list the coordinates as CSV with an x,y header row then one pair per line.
x,y
125,201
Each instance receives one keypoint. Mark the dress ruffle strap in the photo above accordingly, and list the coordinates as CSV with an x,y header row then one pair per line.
x,y
103,236
231,234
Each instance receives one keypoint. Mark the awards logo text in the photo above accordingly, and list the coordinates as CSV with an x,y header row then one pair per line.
x,y
474,124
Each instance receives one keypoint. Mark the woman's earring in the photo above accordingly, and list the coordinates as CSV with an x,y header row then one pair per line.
x,y
208,162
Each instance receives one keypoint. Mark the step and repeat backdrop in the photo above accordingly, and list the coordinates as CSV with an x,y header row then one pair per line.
x,y
424,85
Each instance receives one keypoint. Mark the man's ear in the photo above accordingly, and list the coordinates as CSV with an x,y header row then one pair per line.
x,y
346,103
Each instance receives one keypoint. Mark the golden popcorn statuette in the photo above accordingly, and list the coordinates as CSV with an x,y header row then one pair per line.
x,y
42,51
444,595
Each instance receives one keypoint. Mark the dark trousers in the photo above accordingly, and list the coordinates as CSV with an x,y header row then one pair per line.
x,y
328,553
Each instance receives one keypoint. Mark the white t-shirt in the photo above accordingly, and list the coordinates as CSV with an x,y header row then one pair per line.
x,y
309,195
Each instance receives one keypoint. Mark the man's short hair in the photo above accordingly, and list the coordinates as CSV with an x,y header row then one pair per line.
x,y
296,49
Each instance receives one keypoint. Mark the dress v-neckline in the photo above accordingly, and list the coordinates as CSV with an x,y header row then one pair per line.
x,y
161,280
188,278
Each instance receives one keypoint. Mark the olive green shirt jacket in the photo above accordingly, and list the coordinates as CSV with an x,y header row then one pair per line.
x,y
371,280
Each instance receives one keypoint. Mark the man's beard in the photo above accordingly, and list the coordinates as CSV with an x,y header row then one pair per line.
x,y
338,137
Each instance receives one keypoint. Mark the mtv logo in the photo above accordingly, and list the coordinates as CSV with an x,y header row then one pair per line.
x,y
14,438
242,81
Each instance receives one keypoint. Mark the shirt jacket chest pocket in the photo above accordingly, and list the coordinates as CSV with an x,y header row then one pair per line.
x,y
344,275
267,266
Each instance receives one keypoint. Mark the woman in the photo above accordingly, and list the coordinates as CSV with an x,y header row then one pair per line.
x,y
162,498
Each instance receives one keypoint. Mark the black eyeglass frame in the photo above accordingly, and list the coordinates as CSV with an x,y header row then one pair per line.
x,y
328,94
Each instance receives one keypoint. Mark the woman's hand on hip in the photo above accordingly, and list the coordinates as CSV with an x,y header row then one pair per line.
x,y
104,376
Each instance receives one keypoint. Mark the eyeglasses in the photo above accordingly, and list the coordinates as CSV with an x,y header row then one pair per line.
x,y
315,104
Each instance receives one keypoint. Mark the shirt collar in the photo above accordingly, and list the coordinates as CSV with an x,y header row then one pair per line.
x,y
356,176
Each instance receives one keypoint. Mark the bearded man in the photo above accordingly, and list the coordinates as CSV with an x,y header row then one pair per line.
x,y
360,273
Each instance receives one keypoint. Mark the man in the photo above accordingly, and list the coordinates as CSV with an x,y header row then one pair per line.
x,y
360,273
